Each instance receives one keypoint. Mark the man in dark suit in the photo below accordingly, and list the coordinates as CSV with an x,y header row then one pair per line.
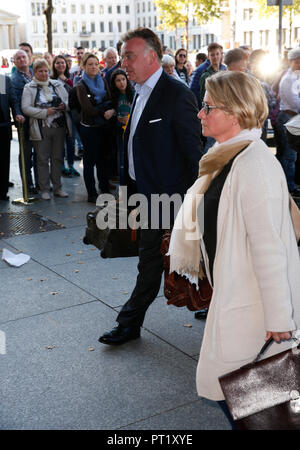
x,y
7,100
163,146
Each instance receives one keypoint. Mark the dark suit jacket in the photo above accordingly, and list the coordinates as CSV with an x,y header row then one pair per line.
x,y
8,100
166,153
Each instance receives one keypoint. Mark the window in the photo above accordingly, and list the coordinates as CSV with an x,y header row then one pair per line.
x,y
144,7
93,28
138,8
74,27
110,27
111,43
82,9
54,26
127,9
83,27
32,9
248,38
127,26
73,9
101,11
118,9
35,26
248,14
120,27
149,22
109,9
92,10
64,9
38,9
102,45
155,21
94,44
149,6
65,27
101,27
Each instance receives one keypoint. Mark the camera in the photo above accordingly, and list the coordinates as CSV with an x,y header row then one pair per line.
x,y
56,101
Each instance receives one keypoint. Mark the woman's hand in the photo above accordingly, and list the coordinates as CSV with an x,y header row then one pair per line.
x,y
20,118
109,113
279,336
51,111
61,107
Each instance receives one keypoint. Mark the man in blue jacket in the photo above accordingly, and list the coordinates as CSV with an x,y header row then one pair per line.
x,y
22,75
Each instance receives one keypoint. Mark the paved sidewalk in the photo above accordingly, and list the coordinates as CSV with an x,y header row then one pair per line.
x,y
54,374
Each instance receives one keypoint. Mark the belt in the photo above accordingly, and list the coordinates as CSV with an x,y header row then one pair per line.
x,y
291,113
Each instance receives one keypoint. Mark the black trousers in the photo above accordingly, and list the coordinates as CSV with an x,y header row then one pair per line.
x,y
148,281
4,159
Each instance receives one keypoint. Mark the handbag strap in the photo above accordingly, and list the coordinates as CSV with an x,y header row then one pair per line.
x,y
266,346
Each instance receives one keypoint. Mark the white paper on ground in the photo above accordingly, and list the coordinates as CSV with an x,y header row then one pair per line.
x,y
14,260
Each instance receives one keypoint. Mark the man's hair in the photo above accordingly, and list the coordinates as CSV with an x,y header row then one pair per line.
x,y
214,46
110,49
201,56
235,55
80,48
151,39
25,44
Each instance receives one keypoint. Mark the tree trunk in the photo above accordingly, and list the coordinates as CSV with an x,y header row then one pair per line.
x,y
48,13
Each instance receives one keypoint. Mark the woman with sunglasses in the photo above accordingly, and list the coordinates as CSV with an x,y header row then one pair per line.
x,y
180,61
247,240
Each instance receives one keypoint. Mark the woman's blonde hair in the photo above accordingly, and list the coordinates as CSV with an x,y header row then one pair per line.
x,y
241,95
40,63
87,56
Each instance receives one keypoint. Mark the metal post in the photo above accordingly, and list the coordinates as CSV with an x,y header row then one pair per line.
x,y
25,200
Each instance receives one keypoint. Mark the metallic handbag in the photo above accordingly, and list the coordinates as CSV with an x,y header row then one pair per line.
x,y
265,394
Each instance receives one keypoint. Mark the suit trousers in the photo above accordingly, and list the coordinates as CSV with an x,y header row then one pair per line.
x,y
50,148
150,269
4,159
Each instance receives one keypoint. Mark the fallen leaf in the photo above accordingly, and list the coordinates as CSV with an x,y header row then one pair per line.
x,y
43,279
80,262
93,249
80,251
188,325
76,270
68,254
29,279
50,347
114,278
53,293
125,292
91,349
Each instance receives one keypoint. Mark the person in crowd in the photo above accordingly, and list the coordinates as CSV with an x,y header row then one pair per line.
x,y
94,97
168,51
255,67
21,76
247,49
180,61
215,55
29,50
122,94
190,69
69,60
236,59
8,103
110,71
162,153
49,58
200,59
76,70
246,240
110,58
289,106
195,79
168,65
45,101
60,72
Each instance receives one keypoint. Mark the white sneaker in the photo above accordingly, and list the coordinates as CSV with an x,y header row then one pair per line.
x,y
46,195
61,194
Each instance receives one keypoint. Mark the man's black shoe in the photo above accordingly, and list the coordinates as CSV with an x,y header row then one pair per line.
x,y
201,314
119,335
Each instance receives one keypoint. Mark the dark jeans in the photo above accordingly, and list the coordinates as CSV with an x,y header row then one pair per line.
x,y
94,155
30,158
150,268
289,156
4,159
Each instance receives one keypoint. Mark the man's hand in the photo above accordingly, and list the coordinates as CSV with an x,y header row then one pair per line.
x,y
279,336
20,118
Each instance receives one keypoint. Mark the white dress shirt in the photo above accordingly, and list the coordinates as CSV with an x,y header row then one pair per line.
x,y
289,89
144,91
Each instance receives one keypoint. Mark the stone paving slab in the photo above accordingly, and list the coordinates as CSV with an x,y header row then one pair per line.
x,y
71,387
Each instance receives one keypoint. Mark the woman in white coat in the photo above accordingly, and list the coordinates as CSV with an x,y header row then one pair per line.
x,y
247,241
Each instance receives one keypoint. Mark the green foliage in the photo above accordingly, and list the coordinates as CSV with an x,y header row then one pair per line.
x,y
267,11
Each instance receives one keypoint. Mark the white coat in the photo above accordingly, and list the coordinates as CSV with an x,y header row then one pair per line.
x,y
256,269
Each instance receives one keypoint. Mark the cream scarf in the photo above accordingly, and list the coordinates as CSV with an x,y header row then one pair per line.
x,y
45,88
185,250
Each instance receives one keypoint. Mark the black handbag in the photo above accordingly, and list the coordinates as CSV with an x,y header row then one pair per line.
x,y
265,394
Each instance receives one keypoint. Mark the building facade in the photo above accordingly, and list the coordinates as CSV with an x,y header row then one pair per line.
x,y
100,24
9,31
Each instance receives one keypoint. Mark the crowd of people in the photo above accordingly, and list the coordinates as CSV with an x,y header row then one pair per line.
x,y
160,127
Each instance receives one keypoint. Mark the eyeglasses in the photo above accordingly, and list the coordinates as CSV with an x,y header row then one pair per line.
x,y
208,107
182,55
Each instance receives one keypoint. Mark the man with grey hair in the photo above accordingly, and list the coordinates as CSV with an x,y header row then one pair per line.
x,y
110,57
289,93
21,76
162,152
